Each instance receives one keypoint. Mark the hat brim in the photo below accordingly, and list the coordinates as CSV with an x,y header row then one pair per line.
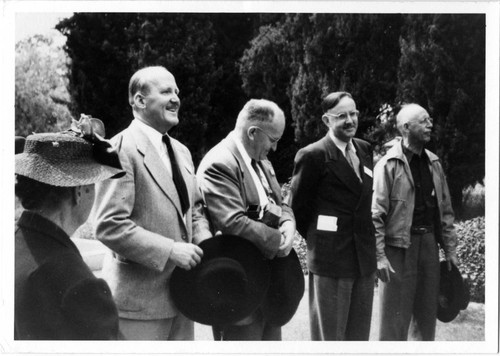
x,y
453,295
191,299
286,289
63,174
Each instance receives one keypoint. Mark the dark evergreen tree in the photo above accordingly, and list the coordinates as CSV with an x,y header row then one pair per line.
x,y
442,68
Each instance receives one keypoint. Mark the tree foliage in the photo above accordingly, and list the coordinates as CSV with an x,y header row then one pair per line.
x,y
222,60
442,67
41,94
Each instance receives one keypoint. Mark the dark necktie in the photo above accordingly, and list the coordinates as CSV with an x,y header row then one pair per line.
x,y
180,185
263,180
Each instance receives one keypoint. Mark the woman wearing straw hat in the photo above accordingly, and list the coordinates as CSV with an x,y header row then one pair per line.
x,y
56,295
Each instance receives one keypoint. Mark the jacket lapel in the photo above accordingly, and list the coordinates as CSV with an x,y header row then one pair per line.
x,y
365,162
338,164
251,193
156,168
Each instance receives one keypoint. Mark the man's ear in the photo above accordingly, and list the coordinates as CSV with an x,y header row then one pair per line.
x,y
139,100
324,118
251,132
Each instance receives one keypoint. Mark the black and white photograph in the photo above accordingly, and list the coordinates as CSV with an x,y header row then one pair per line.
x,y
250,177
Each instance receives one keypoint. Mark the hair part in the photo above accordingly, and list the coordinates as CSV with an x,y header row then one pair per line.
x,y
140,80
332,100
35,195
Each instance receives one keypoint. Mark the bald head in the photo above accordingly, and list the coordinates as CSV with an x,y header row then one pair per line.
x,y
141,80
408,113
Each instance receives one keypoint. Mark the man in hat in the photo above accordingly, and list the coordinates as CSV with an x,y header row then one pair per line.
x,y
243,198
412,213
152,220
330,194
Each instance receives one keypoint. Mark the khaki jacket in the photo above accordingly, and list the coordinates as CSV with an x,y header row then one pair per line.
x,y
394,200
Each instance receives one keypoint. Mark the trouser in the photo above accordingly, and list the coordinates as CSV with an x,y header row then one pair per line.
x,y
408,302
340,308
176,328
257,330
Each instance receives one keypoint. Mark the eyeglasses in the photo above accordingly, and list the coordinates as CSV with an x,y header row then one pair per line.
x,y
344,115
430,120
272,139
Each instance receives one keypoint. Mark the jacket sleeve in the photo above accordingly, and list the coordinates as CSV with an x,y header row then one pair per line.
x,y
111,217
447,218
220,186
304,189
382,182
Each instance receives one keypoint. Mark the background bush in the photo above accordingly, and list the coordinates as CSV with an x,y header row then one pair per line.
x,y
471,255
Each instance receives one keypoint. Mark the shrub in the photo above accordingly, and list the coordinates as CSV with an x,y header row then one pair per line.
x,y
470,252
473,201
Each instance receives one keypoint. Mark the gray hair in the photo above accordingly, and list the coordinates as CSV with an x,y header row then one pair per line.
x,y
258,110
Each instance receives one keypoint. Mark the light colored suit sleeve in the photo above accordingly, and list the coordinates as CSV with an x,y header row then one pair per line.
x,y
222,189
113,207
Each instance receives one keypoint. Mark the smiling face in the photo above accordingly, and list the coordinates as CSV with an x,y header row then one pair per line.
x,y
342,119
161,102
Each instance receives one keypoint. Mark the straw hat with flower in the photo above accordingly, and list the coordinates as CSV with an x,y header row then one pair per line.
x,y
78,156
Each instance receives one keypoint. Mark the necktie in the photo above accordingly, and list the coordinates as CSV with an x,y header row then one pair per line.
x,y
352,159
180,185
263,180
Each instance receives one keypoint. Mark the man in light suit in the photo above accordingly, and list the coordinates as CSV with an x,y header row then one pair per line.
x,y
243,198
153,219
331,194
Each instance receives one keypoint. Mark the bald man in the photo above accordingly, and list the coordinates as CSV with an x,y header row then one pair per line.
x,y
412,214
153,220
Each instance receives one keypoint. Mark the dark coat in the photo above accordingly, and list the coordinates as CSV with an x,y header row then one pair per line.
x,y
56,295
324,183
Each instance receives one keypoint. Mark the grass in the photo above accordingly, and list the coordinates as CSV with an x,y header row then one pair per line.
x,y
467,326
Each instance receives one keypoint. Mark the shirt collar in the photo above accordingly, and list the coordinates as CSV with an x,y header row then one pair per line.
x,y
244,154
154,136
410,154
341,145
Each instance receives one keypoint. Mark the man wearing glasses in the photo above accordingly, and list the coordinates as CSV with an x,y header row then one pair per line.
x,y
331,195
243,198
411,212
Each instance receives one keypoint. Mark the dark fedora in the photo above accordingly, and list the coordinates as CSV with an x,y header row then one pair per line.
x,y
285,289
453,293
228,285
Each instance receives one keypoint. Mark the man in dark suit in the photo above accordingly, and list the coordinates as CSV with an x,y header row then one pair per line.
x,y
243,198
330,195
153,220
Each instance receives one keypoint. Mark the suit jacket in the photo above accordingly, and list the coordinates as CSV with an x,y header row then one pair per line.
x,y
139,218
333,209
228,190
56,295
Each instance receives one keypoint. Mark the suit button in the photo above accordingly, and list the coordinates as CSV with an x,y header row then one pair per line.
x,y
184,237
